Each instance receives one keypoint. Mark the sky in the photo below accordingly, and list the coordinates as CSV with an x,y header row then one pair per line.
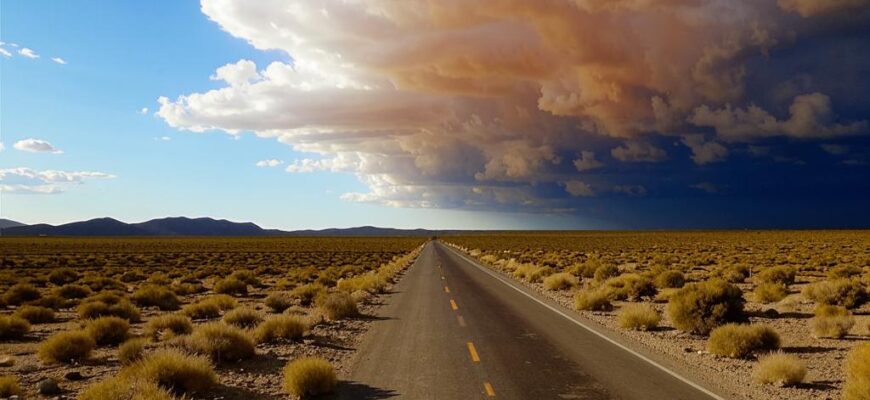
x,y
500,114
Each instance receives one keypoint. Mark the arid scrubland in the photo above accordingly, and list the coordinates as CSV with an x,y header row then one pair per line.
x,y
167,318
779,314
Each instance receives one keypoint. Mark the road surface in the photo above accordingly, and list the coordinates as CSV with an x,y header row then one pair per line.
x,y
454,330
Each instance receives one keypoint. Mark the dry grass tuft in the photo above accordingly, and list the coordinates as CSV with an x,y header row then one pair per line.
x,y
243,317
72,291
338,305
833,322
280,327
700,307
13,327
844,292
168,326
202,310
669,279
174,371
9,387
780,274
769,292
231,286
642,317
108,305
779,369
220,342
131,351
307,377
66,347
857,385
592,300
115,388
21,293
156,296
561,281
108,330
278,301
61,276
35,314
629,286
307,293
739,341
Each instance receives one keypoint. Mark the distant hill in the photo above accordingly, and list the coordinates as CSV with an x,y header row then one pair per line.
x,y
8,223
183,226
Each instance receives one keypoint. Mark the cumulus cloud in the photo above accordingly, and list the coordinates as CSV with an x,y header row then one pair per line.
x,y
143,111
705,152
5,52
638,152
810,117
269,163
587,161
579,189
36,146
458,104
58,60
835,149
30,181
631,190
28,53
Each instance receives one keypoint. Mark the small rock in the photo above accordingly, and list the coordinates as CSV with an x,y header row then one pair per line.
x,y
688,349
74,376
771,313
6,361
48,387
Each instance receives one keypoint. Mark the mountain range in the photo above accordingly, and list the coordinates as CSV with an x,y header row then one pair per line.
x,y
183,226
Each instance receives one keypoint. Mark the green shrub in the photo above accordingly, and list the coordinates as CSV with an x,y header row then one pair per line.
x,y
832,322
131,351
243,317
641,317
202,310
338,305
287,327
21,293
221,342
700,307
738,341
108,330
769,292
61,276
35,314
174,371
780,274
9,387
669,279
844,292
857,385
13,327
779,369
629,286
306,377
231,286
168,326
66,347
560,281
592,300
156,296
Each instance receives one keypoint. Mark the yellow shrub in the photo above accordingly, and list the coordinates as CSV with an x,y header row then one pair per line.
x,y
338,305
115,388
221,342
779,369
168,326
243,317
857,385
66,347
280,327
769,292
738,341
174,371
13,327
306,377
131,351
35,314
638,317
156,296
700,307
560,281
832,322
9,387
592,300
108,330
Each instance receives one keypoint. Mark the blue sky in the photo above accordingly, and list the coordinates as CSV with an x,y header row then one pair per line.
x,y
369,169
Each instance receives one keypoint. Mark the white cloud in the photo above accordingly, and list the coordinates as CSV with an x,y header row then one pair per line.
x,y
638,152
587,161
143,111
59,60
631,190
5,52
704,152
36,146
28,53
579,189
29,181
2,146
269,163
241,73
163,138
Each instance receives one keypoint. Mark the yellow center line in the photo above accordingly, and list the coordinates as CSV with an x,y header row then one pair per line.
x,y
460,320
489,390
473,352
446,289
453,305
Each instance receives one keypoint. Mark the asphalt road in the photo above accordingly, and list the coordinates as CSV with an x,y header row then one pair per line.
x,y
453,330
